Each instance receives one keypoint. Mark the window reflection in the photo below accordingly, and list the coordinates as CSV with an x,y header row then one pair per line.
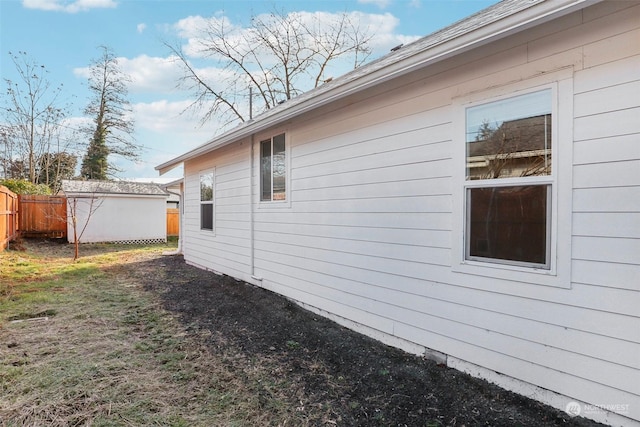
x,y
510,138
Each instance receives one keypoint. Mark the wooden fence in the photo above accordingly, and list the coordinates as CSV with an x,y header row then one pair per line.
x,y
46,216
43,216
173,222
8,216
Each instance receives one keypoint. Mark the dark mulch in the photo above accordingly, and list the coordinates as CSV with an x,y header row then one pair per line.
x,y
359,381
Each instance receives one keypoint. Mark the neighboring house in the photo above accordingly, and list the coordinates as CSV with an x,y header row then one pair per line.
x,y
174,188
174,209
117,211
358,201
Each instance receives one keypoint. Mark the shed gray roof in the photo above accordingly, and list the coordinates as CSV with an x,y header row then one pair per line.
x,y
112,187
493,23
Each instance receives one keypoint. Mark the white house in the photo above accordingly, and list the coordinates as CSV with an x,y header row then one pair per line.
x,y
473,196
116,211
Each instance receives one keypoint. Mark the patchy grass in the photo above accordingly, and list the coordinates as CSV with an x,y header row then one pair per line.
x,y
127,337
84,344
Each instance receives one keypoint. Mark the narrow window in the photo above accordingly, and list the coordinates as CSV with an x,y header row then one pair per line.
x,y
508,181
206,201
273,174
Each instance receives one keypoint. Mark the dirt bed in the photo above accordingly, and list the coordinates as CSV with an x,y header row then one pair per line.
x,y
336,376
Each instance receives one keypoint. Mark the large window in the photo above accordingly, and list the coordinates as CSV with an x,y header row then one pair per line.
x,y
206,201
273,169
508,182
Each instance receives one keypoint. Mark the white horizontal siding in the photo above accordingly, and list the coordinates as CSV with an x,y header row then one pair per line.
x,y
377,168
366,233
607,224
607,199
607,124
226,248
608,275
391,235
614,149
606,179
478,327
615,98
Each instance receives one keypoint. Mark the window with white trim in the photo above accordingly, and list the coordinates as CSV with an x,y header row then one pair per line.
x,y
509,181
206,201
273,169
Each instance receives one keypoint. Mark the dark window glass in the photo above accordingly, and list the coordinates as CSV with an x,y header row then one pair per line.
x,y
265,169
273,169
509,223
279,168
206,216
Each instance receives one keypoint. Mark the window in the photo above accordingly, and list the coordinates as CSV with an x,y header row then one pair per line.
x,y
206,201
508,182
273,170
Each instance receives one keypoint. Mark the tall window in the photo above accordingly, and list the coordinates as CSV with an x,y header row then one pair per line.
x,y
508,181
206,201
273,171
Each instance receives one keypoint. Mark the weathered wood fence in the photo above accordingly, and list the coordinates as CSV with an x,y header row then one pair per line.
x,y
173,222
8,216
43,216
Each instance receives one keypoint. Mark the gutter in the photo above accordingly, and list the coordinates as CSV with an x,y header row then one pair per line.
x,y
252,231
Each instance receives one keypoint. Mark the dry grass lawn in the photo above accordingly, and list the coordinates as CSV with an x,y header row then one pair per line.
x,y
127,337
84,344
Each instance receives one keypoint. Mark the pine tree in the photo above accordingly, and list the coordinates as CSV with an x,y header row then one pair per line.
x,y
94,163
113,127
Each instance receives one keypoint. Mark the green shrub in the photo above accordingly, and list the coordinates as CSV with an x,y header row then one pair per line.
x,y
22,186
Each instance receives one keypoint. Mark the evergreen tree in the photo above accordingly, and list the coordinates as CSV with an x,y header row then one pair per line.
x,y
94,163
113,127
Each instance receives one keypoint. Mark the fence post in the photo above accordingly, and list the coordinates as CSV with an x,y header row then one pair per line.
x,y
8,217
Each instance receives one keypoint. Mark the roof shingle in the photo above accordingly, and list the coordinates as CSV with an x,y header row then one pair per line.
x,y
112,187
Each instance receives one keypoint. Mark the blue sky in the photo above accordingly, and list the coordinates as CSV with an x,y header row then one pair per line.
x,y
64,35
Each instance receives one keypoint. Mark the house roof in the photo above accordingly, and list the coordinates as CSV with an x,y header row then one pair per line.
x,y
514,136
496,22
112,187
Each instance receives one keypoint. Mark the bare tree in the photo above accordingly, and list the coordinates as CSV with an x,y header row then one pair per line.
x,y
80,210
32,117
7,145
279,56
55,167
112,129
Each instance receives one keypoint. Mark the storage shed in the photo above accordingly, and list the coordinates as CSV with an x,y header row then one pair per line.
x,y
117,211
473,196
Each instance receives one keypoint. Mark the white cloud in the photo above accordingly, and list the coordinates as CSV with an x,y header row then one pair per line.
x,y
148,74
166,131
151,74
416,4
169,119
141,27
68,6
382,27
382,4
191,29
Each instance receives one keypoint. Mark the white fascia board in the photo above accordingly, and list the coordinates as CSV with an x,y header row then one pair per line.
x,y
535,15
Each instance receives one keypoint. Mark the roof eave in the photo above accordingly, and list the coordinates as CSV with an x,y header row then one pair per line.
x,y
509,25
